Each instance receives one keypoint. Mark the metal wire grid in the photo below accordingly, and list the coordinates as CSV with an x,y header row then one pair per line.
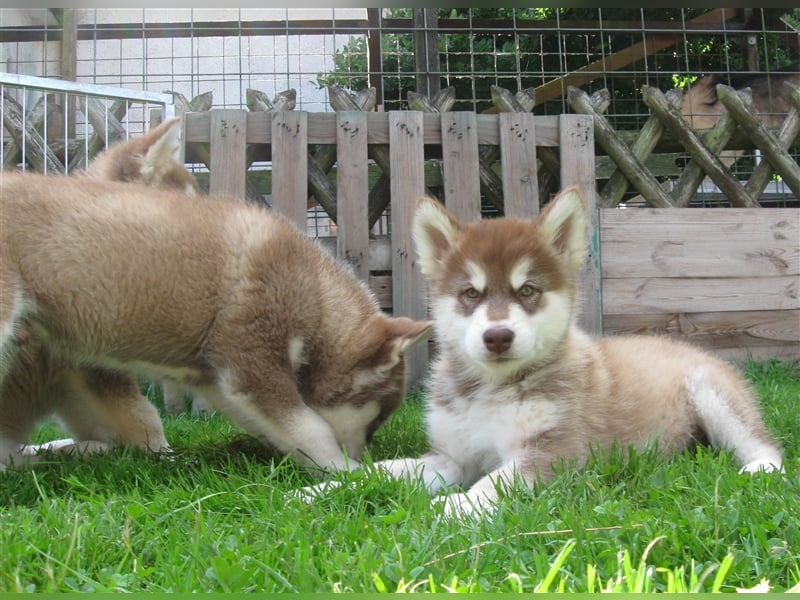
x,y
225,51
69,133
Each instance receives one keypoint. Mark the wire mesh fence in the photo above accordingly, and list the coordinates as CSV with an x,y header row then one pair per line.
x,y
228,50
42,135
397,50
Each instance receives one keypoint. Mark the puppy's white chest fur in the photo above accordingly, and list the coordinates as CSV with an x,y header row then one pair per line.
x,y
491,422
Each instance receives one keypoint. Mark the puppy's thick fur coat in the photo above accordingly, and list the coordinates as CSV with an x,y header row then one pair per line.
x,y
517,386
39,384
107,279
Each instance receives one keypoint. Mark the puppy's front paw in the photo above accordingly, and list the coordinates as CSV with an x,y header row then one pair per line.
x,y
768,466
311,493
66,446
465,506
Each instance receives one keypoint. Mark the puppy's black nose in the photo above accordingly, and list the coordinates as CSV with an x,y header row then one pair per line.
x,y
498,339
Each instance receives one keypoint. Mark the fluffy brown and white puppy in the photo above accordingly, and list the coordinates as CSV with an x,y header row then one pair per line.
x,y
220,296
150,160
517,385
39,385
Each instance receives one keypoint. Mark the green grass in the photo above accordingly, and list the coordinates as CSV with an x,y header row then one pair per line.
x,y
222,516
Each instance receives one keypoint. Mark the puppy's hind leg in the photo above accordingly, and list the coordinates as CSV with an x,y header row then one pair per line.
x,y
12,310
729,415
24,396
107,408
11,450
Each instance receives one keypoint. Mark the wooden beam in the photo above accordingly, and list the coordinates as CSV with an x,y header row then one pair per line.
x,y
374,52
558,87
69,64
426,50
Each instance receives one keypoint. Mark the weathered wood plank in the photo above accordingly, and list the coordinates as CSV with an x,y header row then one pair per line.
x,y
736,336
547,129
102,120
787,133
518,164
736,257
779,158
709,162
740,356
88,150
381,286
696,242
69,65
290,165
322,128
714,329
661,165
322,157
36,151
441,102
649,135
406,137
639,295
577,168
227,153
715,139
379,251
380,260
505,101
45,118
352,191
491,183
627,162
460,169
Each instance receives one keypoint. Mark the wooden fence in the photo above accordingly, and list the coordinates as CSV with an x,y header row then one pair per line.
x,y
726,279
403,136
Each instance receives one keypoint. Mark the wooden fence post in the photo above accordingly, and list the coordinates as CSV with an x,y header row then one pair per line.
x,y
576,144
227,168
290,165
462,183
407,182
352,186
518,163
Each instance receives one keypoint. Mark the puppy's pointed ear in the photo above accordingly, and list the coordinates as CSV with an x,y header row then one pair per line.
x,y
403,334
564,225
386,339
161,143
160,147
435,232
